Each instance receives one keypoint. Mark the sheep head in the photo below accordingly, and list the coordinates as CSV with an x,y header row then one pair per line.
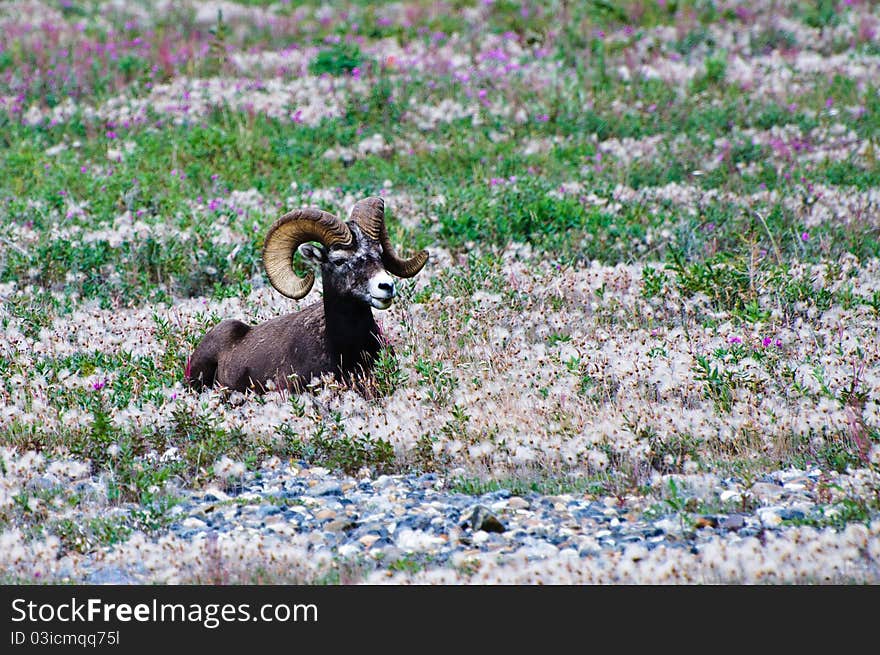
x,y
356,257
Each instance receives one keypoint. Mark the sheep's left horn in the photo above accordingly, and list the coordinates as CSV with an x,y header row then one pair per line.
x,y
287,234
369,214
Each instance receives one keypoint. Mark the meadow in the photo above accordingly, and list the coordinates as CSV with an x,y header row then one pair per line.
x,y
652,227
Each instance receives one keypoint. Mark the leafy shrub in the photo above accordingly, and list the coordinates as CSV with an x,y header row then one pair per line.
x,y
339,59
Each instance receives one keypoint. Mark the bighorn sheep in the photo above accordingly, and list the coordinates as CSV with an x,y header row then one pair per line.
x,y
337,336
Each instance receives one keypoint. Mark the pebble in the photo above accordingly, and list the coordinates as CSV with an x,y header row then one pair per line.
x,y
769,517
214,495
733,522
376,521
480,518
339,525
193,523
328,488
767,490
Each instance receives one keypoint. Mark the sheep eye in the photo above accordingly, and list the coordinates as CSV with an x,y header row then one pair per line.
x,y
338,261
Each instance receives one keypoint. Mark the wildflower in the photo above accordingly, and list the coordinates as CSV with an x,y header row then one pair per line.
x,y
805,236
99,384
735,340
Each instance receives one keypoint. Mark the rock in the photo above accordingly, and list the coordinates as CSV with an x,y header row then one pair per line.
x,y
325,514
669,525
192,523
268,510
518,503
417,523
340,525
328,488
214,495
383,481
769,517
427,480
371,528
283,528
368,540
732,522
480,518
790,514
706,522
766,490
588,546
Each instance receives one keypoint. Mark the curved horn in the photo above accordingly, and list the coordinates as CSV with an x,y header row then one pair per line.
x,y
369,214
287,234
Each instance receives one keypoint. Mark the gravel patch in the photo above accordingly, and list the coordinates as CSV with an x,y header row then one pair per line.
x,y
414,528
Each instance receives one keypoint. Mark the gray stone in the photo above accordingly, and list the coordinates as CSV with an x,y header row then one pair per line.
x,y
518,502
732,522
268,510
480,518
788,514
328,488
373,527
767,490
340,525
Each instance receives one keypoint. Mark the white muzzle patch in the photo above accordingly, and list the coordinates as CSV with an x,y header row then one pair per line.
x,y
381,290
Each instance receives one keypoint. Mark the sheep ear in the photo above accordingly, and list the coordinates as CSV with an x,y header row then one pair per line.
x,y
314,254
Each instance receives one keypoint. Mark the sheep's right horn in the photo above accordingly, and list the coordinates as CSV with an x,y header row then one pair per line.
x,y
369,214
287,234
